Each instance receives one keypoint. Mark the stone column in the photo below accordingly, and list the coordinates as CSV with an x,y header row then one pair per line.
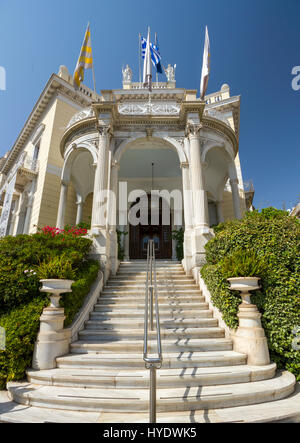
x,y
20,214
62,205
29,209
79,204
187,197
201,230
13,216
201,219
99,224
188,216
100,185
235,197
113,217
219,205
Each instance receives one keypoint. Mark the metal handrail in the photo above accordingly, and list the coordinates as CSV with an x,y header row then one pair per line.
x,y
152,363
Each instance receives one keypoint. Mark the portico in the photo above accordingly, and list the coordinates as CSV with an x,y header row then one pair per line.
x,y
131,143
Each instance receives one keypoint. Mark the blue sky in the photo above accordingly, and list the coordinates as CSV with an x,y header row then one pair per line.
x,y
254,46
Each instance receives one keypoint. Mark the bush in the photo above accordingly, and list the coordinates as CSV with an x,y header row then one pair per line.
x,y
57,267
243,263
21,302
274,238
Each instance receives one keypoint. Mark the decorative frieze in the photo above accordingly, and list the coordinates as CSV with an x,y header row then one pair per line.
x,y
149,108
82,115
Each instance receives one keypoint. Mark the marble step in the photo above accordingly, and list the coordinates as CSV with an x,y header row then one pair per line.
x,y
286,410
95,378
143,268
162,295
170,360
142,274
141,278
103,311
205,322
168,304
138,334
161,283
168,400
206,317
141,287
90,343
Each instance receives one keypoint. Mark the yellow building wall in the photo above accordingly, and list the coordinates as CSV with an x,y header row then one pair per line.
x,y
87,209
48,188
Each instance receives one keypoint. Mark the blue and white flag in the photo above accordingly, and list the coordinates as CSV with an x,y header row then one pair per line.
x,y
156,49
155,55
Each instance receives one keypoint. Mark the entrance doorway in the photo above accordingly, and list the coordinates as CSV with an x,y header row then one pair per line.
x,y
140,235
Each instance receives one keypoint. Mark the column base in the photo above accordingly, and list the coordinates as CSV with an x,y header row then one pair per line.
x,y
200,236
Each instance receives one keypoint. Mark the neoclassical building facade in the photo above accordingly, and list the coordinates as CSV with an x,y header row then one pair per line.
x,y
98,158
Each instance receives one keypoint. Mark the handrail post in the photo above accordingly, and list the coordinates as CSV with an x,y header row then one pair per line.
x,y
152,416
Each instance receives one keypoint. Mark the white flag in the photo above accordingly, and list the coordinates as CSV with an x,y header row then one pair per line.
x,y
147,75
205,66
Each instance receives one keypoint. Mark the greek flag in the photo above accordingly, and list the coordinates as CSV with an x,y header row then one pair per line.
x,y
155,55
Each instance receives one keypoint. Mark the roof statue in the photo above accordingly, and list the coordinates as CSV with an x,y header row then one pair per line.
x,y
170,72
127,74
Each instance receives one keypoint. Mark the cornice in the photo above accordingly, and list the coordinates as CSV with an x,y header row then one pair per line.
x,y
54,86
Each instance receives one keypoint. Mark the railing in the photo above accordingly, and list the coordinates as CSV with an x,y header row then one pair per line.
x,y
152,363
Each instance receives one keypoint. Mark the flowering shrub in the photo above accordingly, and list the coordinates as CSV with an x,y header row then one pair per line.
x,y
21,302
72,231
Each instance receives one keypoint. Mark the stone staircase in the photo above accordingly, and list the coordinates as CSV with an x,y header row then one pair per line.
x,y
105,373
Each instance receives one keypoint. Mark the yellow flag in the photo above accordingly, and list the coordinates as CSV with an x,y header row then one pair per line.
x,y
85,60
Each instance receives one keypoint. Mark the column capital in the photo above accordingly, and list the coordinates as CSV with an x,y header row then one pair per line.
x,y
184,165
234,181
105,130
193,130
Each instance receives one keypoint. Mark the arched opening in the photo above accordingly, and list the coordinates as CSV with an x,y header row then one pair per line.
x,y
79,175
148,165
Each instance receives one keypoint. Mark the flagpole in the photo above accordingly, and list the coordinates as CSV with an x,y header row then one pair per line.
x,y
140,77
156,66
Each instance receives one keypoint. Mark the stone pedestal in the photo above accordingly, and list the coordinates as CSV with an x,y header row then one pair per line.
x,y
250,338
53,341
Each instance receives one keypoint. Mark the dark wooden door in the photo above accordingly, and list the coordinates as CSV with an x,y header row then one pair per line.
x,y
140,235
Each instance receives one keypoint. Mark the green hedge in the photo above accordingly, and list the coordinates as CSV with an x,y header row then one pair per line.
x,y
275,238
21,302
